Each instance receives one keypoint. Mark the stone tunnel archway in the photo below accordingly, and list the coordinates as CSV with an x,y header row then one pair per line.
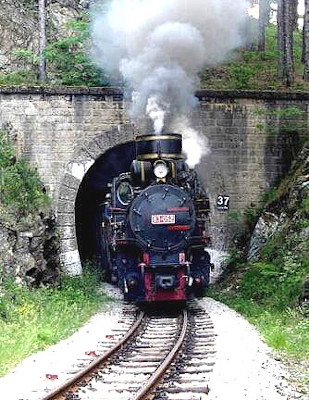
x,y
84,158
90,199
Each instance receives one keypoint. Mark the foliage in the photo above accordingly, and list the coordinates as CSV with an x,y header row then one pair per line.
x,y
69,64
269,292
274,284
255,70
251,216
279,278
20,187
67,60
242,72
31,320
286,331
21,77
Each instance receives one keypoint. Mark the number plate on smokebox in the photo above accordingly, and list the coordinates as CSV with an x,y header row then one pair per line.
x,y
163,219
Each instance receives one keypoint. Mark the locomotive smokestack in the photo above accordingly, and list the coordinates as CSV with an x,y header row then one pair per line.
x,y
153,147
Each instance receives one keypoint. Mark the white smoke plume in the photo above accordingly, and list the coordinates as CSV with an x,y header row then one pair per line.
x,y
194,145
156,113
158,48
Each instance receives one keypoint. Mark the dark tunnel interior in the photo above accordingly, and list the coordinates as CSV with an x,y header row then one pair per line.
x,y
91,194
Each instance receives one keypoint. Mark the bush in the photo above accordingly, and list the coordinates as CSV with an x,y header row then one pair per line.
x,y
20,188
277,285
68,62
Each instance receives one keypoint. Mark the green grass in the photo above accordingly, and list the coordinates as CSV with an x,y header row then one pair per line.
x,y
21,191
286,331
254,70
269,292
32,320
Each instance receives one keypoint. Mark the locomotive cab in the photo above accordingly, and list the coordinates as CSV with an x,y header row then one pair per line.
x,y
155,225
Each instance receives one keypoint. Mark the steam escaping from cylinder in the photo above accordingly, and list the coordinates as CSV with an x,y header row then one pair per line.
x,y
157,48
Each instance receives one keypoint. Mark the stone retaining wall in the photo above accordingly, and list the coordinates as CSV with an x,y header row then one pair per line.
x,y
63,131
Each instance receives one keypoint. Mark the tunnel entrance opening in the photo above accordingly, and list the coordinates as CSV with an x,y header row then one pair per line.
x,y
91,194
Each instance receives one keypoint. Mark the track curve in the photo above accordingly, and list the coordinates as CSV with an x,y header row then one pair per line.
x,y
134,367
56,393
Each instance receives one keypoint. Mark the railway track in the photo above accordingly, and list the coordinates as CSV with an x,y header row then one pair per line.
x,y
158,358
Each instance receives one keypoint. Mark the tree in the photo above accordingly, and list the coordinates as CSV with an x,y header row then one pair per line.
x,y
306,41
42,40
294,14
264,12
285,41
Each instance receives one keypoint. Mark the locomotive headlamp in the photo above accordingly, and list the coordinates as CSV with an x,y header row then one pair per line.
x,y
160,169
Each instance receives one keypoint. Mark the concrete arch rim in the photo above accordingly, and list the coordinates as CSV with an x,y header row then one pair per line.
x,y
82,160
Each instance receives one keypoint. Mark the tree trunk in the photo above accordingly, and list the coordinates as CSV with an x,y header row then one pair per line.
x,y
285,41
289,50
264,12
42,40
280,25
306,41
294,14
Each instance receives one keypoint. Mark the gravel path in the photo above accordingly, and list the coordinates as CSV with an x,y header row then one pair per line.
x,y
244,368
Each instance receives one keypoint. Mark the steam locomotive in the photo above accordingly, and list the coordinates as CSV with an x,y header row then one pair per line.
x,y
154,229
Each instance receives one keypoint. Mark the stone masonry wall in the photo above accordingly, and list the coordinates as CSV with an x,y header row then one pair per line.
x,y
63,131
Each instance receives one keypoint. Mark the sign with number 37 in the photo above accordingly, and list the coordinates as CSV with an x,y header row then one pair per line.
x,y
223,203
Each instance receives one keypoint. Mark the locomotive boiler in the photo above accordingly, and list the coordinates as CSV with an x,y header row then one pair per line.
x,y
155,225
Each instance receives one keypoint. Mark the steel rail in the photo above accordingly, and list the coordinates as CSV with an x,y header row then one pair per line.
x,y
161,370
95,363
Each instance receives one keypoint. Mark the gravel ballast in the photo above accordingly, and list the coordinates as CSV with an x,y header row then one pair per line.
x,y
244,367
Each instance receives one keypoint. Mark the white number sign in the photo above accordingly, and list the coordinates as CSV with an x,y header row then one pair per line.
x,y
223,203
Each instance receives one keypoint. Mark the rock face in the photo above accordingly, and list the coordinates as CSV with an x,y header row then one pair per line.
x,y
19,26
29,249
287,216
286,209
266,226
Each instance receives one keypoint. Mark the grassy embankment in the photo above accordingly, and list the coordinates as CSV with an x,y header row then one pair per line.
x,y
268,292
253,70
32,319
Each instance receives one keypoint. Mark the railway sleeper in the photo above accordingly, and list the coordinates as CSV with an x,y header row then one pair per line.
x,y
200,349
155,346
198,362
153,340
187,389
207,339
187,396
149,351
192,378
146,364
116,378
145,359
196,370
159,337
135,370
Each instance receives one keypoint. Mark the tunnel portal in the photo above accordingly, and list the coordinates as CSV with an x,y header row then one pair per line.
x,y
91,194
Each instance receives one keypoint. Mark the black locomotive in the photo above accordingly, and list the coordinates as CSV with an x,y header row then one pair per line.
x,y
154,229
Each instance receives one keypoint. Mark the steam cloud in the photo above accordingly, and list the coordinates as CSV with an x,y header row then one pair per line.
x,y
158,47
